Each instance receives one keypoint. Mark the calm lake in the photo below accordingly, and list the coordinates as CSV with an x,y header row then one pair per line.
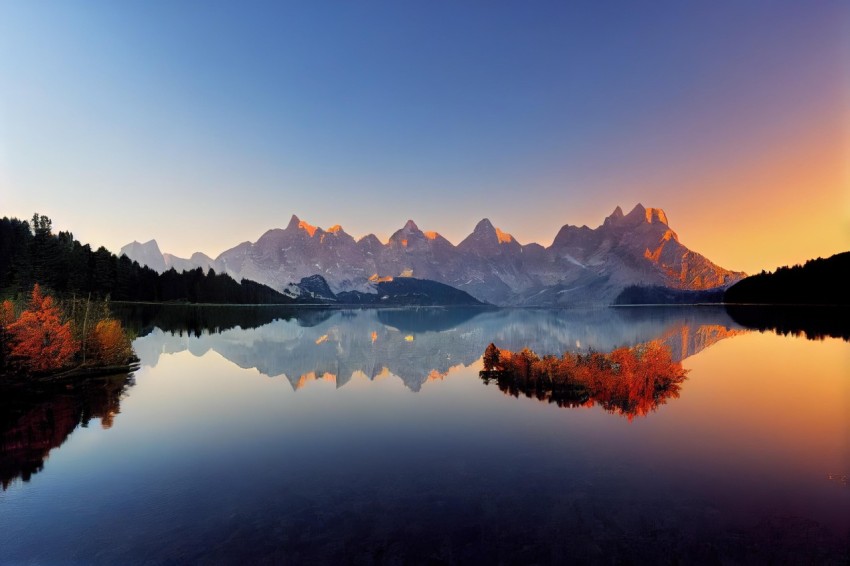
x,y
368,436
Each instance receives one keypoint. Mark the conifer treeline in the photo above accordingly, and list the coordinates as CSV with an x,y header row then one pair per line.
x,y
31,253
817,282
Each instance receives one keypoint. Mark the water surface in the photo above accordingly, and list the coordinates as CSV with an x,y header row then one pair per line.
x,y
368,436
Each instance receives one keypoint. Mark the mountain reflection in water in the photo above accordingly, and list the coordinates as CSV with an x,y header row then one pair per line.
x,y
212,463
304,345
418,345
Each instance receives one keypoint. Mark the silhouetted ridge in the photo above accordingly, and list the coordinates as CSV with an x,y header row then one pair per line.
x,y
817,282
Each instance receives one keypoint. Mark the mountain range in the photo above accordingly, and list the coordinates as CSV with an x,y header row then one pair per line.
x,y
582,266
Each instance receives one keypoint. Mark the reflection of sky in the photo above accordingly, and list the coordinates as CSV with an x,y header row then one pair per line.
x,y
207,457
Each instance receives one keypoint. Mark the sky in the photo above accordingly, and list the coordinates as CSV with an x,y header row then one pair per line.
x,y
204,124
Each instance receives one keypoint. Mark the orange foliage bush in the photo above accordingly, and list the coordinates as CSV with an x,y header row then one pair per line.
x,y
628,381
39,340
109,343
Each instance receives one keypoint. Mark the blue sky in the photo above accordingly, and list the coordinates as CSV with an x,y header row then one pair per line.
x,y
202,124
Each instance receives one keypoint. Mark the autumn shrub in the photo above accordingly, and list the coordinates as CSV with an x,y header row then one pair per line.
x,y
109,344
628,381
38,340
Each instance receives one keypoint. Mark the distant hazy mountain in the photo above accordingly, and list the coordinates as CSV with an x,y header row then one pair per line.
x,y
582,265
150,255
145,254
179,264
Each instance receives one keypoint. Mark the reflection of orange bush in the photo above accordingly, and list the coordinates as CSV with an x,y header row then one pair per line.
x,y
39,341
7,317
629,381
109,343
7,314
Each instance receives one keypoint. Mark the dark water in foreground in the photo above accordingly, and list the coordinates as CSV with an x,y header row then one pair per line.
x,y
368,437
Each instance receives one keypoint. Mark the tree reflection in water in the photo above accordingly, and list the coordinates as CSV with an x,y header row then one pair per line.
x,y
627,381
33,421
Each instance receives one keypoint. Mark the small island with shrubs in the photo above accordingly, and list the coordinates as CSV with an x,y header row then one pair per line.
x,y
45,339
626,381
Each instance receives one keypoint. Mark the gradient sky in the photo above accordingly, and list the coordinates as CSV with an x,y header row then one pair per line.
x,y
203,124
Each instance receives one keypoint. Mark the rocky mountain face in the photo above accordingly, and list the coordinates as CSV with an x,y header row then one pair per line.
x,y
582,266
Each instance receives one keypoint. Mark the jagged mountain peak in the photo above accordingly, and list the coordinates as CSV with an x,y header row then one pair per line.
x,y
485,230
150,244
408,233
296,223
637,216
581,265
486,239
654,215
640,214
484,226
370,239
614,217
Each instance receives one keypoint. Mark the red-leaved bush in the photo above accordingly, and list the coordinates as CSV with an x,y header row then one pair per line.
x,y
39,341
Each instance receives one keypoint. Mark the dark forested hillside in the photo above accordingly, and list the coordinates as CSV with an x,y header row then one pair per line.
x,y
817,282
657,295
409,291
31,253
